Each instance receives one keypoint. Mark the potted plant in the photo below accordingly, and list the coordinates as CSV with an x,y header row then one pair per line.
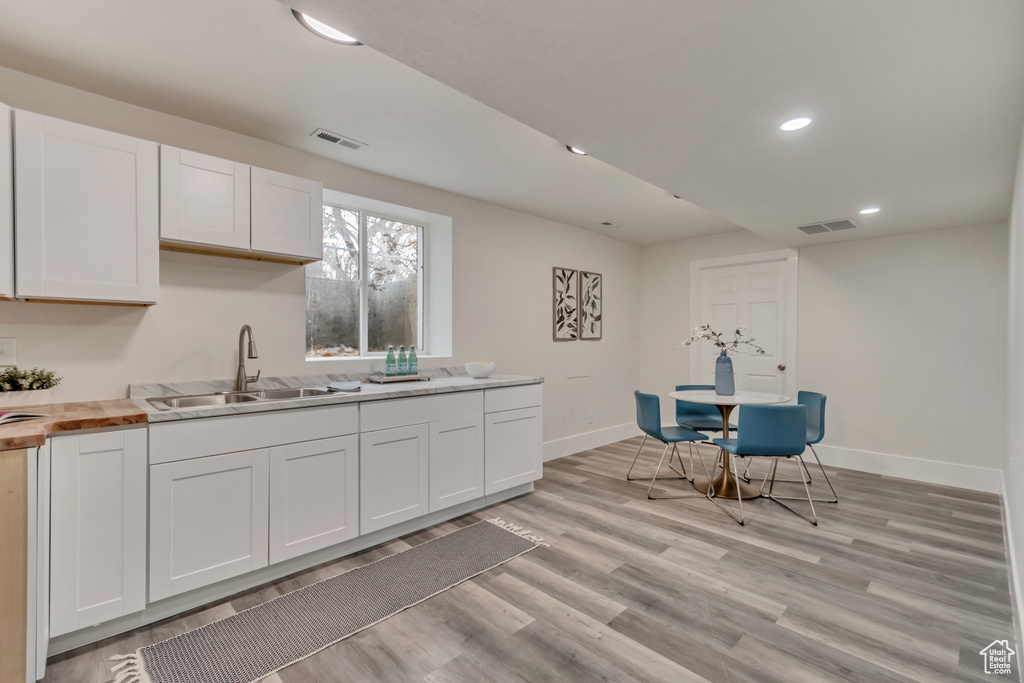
x,y
725,382
26,387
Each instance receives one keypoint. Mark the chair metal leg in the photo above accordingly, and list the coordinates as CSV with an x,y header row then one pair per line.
x,y
813,519
804,471
739,495
800,461
650,488
642,442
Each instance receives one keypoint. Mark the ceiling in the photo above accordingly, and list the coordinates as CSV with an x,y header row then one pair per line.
x,y
918,105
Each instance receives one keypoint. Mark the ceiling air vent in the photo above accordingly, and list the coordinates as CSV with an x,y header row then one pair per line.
x,y
610,224
336,139
827,226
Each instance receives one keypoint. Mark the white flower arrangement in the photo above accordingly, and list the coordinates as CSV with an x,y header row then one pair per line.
x,y
736,344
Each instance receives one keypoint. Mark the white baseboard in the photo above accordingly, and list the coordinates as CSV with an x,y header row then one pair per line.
x,y
576,443
1018,596
919,469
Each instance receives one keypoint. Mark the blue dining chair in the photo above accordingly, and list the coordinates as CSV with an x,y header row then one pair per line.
x,y
701,417
771,431
815,403
648,418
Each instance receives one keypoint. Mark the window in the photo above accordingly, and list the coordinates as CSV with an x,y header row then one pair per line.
x,y
367,292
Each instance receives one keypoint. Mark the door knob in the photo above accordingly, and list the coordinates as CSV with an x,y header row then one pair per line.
x,y
782,367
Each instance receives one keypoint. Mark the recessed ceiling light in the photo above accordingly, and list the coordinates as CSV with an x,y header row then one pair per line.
x,y
324,31
796,124
872,209
576,150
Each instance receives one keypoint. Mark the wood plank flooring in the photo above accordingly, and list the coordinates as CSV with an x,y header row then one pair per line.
x,y
901,581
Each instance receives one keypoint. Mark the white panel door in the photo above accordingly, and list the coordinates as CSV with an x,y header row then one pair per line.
x,y
86,212
513,441
203,199
6,205
393,476
754,296
314,496
456,461
287,215
208,520
98,528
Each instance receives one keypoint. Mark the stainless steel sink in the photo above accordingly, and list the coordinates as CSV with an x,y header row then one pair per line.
x,y
226,397
280,394
200,401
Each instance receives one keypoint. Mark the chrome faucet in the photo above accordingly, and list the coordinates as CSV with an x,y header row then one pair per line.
x,y
241,384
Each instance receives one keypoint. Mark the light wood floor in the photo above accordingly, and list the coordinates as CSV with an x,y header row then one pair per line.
x,y
901,581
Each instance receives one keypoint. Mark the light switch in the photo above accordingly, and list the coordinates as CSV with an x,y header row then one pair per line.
x,y
8,351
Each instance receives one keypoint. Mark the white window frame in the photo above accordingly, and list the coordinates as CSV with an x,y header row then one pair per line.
x,y
435,272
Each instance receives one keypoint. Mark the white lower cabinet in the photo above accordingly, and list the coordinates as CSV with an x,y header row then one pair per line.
x,y
314,496
97,528
208,520
512,449
456,461
393,484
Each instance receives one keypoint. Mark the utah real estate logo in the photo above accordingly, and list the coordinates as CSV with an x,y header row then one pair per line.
x,y
997,658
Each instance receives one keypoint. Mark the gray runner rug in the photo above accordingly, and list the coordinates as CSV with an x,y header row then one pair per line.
x,y
253,644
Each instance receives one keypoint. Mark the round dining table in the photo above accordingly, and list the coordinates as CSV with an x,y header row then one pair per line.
x,y
724,486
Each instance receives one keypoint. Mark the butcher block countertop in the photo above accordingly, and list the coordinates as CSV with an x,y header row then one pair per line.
x,y
68,417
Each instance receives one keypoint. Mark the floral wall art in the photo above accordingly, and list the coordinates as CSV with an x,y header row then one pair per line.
x,y
577,305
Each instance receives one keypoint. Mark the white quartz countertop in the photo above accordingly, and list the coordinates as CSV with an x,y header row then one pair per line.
x,y
442,381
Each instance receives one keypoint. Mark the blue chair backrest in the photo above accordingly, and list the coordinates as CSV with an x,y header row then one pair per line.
x,y
815,403
648,414
687,412
772,430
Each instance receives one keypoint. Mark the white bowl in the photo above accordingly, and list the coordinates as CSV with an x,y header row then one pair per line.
x,y
479,370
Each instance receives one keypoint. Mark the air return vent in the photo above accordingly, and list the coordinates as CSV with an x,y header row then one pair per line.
x,y
827,226
336,139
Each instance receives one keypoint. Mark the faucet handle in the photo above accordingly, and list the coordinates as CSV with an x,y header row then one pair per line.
x,y
254,378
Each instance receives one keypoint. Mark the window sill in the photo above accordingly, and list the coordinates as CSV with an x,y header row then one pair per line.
x,y
381,357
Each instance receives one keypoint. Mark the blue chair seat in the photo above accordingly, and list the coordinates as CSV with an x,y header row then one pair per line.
x,y
677,434
730,445
706,425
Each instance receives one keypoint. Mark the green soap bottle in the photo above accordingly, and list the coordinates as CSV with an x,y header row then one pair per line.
x,y
390,369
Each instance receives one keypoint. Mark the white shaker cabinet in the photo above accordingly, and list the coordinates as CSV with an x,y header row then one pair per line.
x,y
314,495
393,476
6,205
97,528
203,200
208,520
456,461
287,215
513,437
86,213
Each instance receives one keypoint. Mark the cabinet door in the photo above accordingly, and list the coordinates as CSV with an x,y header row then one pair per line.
x,y
6,205
393,476
97,528
287,215
456,461
86,212
203,199
513,441
208,521
314,495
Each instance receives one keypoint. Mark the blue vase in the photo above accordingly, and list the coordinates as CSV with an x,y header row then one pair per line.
x,y
725,382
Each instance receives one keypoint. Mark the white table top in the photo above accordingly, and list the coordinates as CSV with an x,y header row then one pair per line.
x,y
738,399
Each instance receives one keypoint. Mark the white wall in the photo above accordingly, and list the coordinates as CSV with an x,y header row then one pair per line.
x,y
906,335
1014,456
501,282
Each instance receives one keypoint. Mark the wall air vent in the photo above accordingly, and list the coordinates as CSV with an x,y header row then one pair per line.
x,y
336,139
827,226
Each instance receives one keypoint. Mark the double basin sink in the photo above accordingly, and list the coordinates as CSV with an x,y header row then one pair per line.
x,y
228,397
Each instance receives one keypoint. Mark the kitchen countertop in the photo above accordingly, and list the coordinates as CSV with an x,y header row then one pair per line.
x,y
69,417
442,381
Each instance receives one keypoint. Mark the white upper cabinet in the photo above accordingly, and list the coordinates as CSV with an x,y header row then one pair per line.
x,y
86,212
287,215
6,205
203,199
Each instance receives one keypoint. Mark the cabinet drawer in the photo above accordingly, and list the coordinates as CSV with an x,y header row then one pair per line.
x,y
401,412
513,398
185,439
